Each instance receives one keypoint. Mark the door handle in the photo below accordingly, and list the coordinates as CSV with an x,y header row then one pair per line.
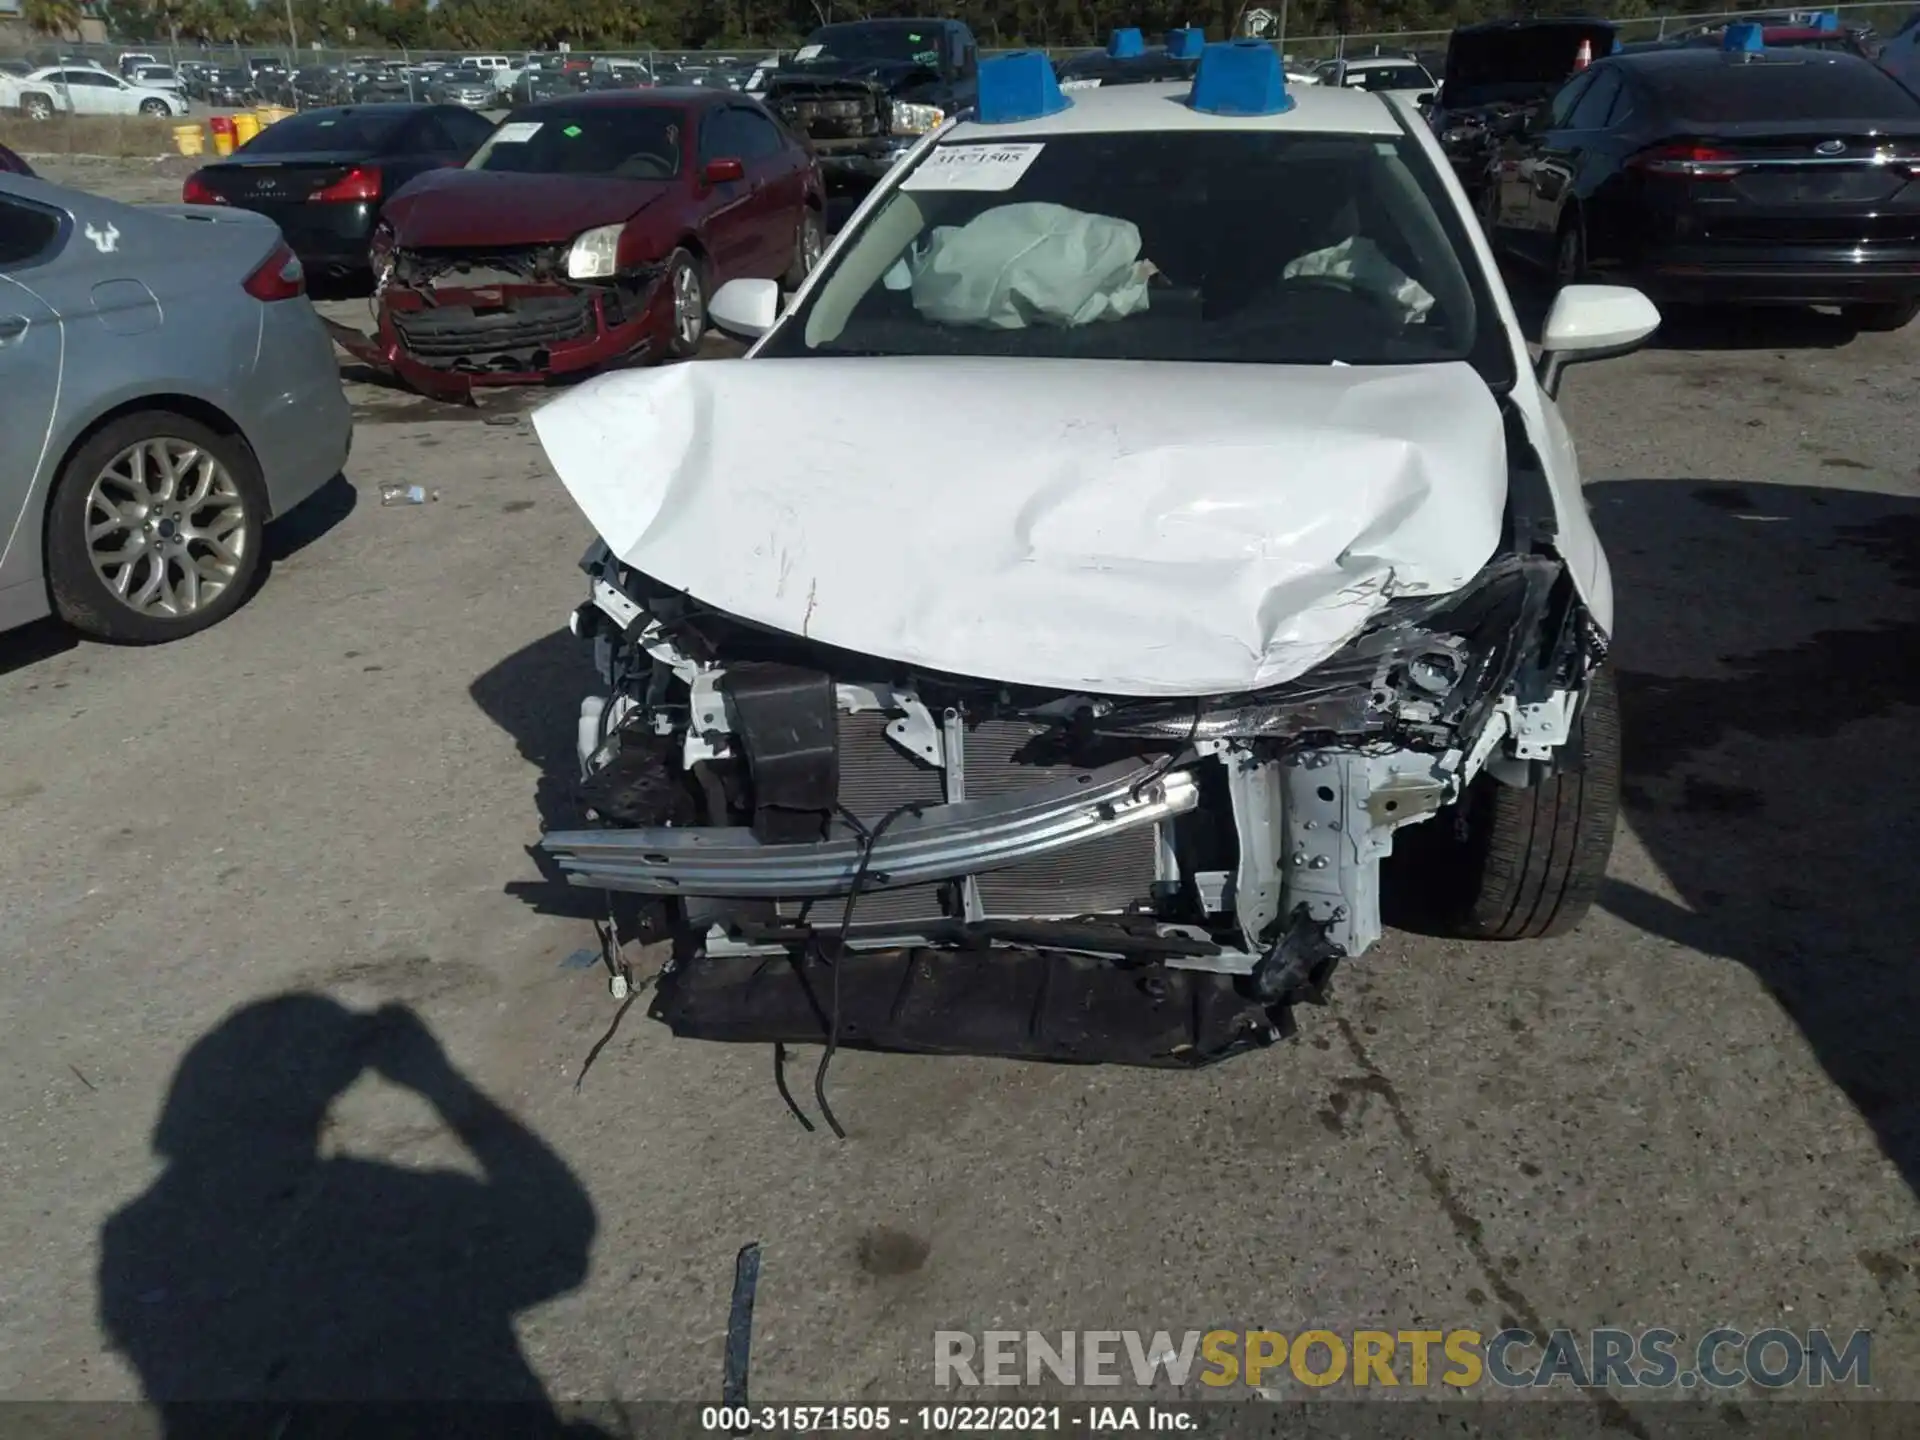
x,y
12,327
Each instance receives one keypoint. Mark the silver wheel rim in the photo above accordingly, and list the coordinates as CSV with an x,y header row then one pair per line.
x,y
811,244
689,312
39,110
166,527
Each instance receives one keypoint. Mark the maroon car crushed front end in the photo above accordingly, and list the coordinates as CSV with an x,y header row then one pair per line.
x,y
456,316
587,232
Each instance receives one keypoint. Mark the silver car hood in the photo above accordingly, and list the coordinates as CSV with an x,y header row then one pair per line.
x,y
1120,528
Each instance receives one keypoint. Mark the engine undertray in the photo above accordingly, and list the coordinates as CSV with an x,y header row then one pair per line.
x,y
1020,1004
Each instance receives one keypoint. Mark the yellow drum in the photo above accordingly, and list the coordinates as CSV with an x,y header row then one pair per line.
x,y
271,114
189,139
245,127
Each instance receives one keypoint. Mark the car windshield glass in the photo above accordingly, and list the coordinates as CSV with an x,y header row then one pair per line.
x,y
633,142
872,40
325,130
232,77
1783,89
1237,246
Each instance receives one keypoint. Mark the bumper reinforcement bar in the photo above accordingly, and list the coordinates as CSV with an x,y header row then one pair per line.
x,y
944,842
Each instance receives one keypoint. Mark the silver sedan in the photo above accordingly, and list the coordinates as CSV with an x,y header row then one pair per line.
x,y
165,390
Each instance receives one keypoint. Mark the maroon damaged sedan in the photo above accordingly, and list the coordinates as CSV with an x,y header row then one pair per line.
x,y
588,229
12,164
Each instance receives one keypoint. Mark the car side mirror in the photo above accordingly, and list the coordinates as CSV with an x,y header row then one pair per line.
x,y
745,308
1424,101
1592,322
723,172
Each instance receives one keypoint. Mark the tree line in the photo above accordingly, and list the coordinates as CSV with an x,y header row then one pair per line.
x,y
514,25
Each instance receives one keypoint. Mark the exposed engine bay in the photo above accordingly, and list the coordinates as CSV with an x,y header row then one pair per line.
x,y
854,849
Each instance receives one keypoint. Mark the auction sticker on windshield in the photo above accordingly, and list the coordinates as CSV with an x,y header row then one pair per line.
x,y
973,167
517,133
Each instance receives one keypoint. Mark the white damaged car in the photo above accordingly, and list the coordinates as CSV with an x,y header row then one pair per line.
x,y
1142,550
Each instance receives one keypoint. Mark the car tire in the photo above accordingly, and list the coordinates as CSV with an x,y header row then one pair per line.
x,y
809,244
687,316
1570,251
155,107
36,107
87,588
1511,864
1892,315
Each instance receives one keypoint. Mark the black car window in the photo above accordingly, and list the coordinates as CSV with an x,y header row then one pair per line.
x,y
1562,108
327,130
759,137
1590,110
1395,77
720,136
1796,87
27,231
466,131
633,142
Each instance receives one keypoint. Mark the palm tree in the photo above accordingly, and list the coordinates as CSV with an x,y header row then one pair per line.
x,y
58,18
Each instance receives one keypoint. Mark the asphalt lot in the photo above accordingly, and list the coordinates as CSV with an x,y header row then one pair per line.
x,y
1699,1110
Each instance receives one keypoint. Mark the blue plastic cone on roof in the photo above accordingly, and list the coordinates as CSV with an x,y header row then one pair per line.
x,y
1017,87
1186,44
1744,37
1240,77
1125,44
1826,20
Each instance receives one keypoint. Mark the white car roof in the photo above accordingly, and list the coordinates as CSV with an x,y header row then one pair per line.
x,y
1316,109
1381,62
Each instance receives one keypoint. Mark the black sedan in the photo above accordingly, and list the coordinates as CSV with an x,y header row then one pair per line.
x,y
323,175
1712,176
227,87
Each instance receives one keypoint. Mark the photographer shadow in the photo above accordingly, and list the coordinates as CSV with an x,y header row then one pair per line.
x,y
260,1280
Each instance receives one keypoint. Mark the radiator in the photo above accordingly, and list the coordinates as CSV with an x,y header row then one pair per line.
x,y
876,776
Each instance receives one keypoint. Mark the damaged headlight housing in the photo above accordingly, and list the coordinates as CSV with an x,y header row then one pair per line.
x,y
595,254
380,253
916,119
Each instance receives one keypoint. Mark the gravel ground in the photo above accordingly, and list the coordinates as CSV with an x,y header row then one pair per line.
x,y
1699,1109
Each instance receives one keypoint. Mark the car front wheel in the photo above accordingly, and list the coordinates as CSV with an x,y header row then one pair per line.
x,y
1893,315
155,107
1517,864
808,246
37,107
687,294
155,529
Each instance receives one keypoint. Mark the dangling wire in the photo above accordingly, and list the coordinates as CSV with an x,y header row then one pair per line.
x,y
1171,758
868,839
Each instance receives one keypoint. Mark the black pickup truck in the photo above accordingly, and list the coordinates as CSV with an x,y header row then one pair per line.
x,y
864,91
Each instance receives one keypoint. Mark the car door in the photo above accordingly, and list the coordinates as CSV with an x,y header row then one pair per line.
x,y
779,179
727,206
1512,205
31,353
1564,154
97,93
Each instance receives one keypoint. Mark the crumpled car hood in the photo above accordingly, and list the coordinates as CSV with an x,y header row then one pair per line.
x,y
1117,528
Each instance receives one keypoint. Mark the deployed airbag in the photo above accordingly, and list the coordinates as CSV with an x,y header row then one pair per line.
x,y
1030,264
1130,528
